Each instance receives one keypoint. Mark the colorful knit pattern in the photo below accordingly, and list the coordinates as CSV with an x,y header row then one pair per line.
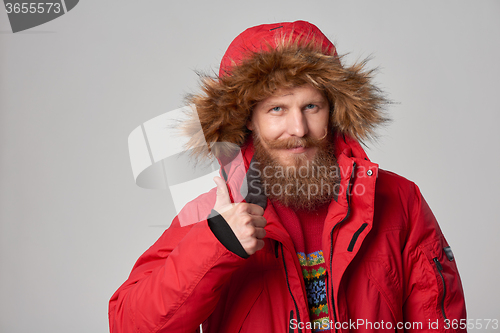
x,y
314,272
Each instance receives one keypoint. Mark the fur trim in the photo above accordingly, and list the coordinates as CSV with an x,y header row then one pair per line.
x,y
225,104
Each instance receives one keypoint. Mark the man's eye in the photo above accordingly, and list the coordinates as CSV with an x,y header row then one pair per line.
x,y
310,106
276,109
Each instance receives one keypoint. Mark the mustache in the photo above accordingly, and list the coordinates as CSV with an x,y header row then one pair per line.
x,y
295,142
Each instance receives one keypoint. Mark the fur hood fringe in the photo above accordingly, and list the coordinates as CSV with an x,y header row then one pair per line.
x,y
225,103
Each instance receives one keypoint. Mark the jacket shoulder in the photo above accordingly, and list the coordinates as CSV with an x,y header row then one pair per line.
x,y
395,197
396,193
391,181
394,186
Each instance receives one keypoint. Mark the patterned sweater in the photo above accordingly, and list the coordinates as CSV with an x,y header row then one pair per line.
x,y
305,229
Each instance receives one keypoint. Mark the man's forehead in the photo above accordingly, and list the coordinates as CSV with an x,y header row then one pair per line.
x,y
286,92
282,92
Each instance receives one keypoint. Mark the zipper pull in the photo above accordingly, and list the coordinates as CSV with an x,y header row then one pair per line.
x,y
438,264
353,169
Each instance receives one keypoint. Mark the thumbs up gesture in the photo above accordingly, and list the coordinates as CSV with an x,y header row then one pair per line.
x,y
245,219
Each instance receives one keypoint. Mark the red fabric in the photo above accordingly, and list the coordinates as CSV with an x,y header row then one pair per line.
x,y
261,37
305,228
187,277
312,226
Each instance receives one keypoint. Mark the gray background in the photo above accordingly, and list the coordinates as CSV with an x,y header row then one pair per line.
x,y
72,220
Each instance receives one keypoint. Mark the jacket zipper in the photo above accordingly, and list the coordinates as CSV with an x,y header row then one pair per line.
x,y
290,291
331,240
290,329
440,269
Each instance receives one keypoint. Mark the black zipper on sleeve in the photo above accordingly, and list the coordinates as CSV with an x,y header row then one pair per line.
x,y
331,239
440,269
290,290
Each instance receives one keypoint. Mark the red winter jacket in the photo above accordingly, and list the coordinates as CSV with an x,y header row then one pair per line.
x,y
388,262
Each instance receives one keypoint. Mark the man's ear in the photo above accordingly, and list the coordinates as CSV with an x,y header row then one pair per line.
x,y
250,125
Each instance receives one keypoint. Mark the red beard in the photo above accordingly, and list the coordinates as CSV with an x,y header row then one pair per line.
x,y
304,184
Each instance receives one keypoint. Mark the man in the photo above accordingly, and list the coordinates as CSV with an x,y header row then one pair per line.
x,y
324,240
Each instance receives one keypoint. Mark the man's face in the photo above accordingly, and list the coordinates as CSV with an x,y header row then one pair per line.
x,y
294,148
286,120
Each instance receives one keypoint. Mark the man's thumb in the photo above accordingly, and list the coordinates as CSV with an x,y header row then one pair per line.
x,y
223,198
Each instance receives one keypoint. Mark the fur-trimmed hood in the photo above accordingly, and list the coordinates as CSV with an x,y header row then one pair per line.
x,y
269,57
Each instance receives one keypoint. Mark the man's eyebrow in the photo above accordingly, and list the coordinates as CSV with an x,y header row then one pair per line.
x,y
307,102
272,104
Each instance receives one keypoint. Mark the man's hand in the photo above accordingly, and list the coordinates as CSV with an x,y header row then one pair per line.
x,y
245,219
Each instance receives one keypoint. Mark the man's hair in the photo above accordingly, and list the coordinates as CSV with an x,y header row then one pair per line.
x,y
225,104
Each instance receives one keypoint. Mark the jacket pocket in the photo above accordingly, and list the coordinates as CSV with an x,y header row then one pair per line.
x,y
242,296
386,281
439,268
445,289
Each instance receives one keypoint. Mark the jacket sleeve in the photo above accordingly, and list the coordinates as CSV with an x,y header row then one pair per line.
x,y
433,294
176,284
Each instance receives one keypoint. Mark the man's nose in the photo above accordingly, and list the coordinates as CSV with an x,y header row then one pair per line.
x,y
296,123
